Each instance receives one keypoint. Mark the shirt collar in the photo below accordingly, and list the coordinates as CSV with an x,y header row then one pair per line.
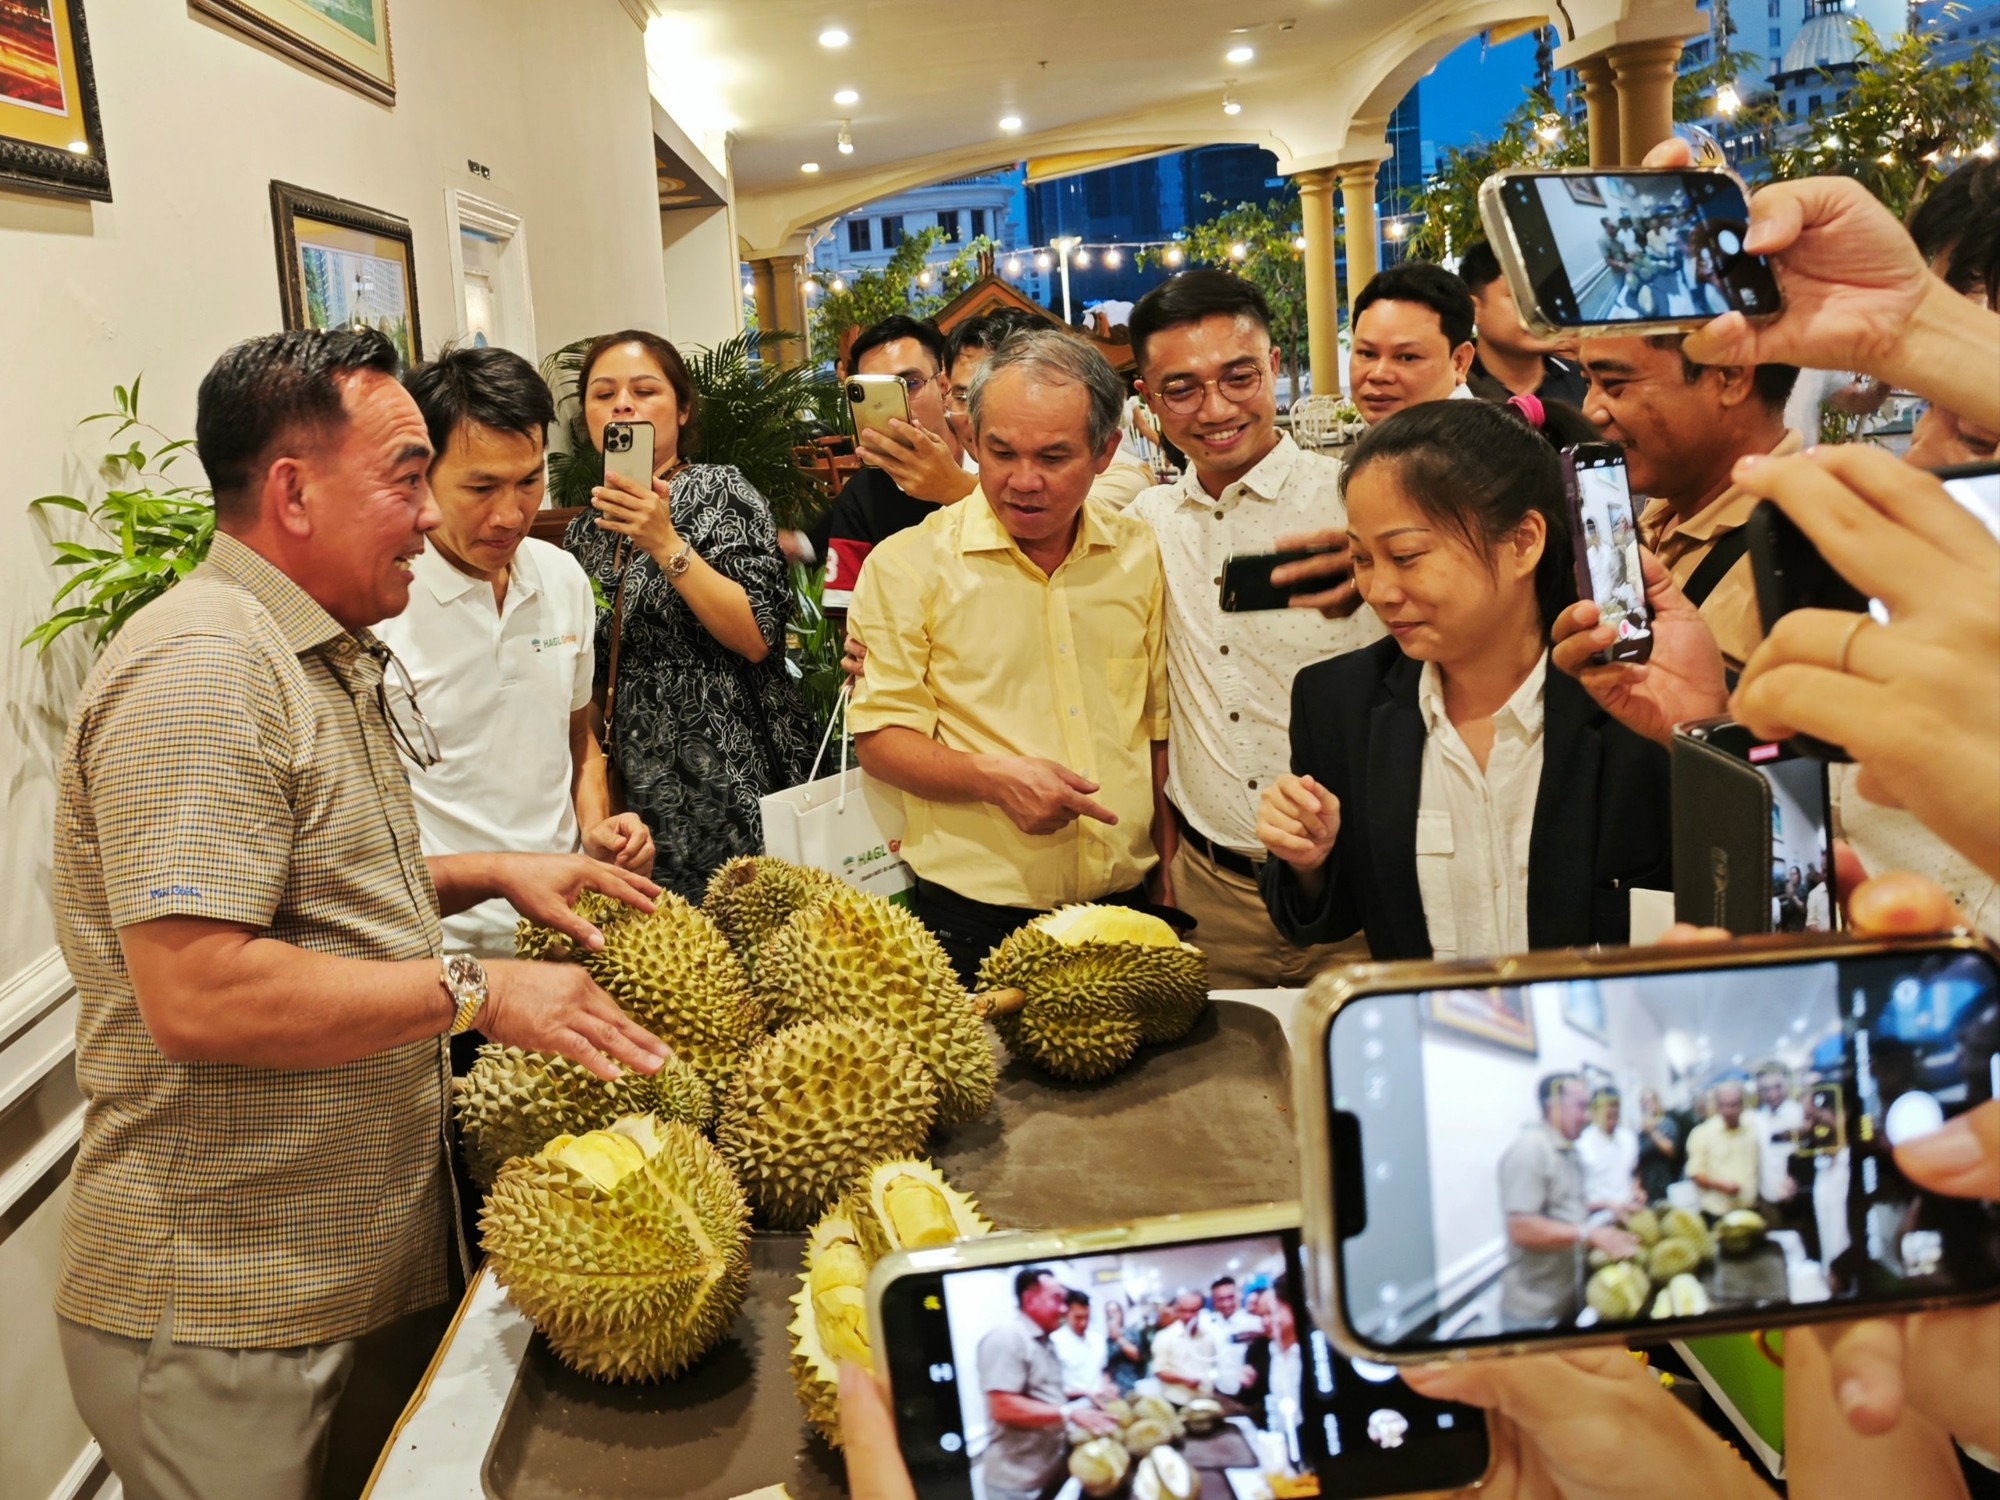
x,y
980,530
1522,710
448,584
304,624
1731,508
1265,481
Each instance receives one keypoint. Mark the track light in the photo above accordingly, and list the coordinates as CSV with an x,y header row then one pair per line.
x,y
845,140
1230,106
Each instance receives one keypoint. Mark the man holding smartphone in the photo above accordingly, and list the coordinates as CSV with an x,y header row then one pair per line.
x,y
1207,366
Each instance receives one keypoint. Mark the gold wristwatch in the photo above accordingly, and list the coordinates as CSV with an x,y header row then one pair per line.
x,y
464,980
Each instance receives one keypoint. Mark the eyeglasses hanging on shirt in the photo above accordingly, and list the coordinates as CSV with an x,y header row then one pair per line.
x,y
397,696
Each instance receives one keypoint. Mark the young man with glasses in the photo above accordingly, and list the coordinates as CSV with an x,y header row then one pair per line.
x,y
907,473
1207,365
497,642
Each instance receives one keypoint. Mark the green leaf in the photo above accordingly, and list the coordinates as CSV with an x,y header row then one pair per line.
x,y
61,502
124,400
133,406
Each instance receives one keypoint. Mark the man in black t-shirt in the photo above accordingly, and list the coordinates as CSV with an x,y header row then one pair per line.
x,y
1509,360
905,475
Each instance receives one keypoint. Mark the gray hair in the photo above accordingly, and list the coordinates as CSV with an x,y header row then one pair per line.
x,y
1054,358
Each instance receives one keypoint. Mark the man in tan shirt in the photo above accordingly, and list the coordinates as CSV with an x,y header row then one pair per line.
x,y
254,935
1683,427
1725,1155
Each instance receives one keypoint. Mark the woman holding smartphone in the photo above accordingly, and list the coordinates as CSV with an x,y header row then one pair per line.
x,y
704,718
1432,772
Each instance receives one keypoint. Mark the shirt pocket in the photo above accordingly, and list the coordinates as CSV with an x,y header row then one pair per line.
x,y
1435,848
1126,679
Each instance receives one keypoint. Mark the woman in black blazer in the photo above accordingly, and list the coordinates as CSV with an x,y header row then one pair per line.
x,y
1461,544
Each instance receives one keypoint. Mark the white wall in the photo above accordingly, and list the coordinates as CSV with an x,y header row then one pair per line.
x,y
550,95
703,276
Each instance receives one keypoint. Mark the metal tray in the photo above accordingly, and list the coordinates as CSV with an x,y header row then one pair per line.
x,y
1203,1123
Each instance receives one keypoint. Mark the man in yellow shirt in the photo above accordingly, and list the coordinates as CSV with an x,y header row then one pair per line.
x,y
1723,1155
1015,688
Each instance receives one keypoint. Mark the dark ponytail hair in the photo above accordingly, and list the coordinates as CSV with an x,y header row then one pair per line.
x,y
1477,469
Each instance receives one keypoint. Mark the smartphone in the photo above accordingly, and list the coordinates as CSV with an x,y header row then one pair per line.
x,y
1790,573
1304,1421
628,450
1634,250
876,401
1444,1108
1753,833
1604,529
1247,586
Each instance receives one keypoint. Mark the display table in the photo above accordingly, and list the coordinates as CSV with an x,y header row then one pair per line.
x,y
496,1416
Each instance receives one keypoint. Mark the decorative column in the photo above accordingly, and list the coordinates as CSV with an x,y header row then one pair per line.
x,y
780,305
1645,72
1322,294
1600,99
1357,211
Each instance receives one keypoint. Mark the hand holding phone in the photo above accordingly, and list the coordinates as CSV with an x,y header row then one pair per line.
x,y
628,453
875,401
1604,532
1248,585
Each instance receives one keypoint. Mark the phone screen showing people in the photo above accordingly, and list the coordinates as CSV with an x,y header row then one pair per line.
x,y
1803,898
1201,1349
1643,247
1651,1152
1608,530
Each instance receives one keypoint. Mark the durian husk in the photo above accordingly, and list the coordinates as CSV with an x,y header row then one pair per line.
x,y
674,973
629,1248
512,1103
851,954
532,940
814,1105
894,1205
753,895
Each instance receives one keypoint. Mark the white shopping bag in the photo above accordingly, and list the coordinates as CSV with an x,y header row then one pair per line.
x,y
849,824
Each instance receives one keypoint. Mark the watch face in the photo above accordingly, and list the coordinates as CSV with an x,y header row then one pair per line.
x,y
462,969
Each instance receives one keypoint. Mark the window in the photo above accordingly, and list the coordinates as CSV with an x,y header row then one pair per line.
x,y
949,225
1812,105
1774,9
892,231
1792,108
858,237
978,222
1777,39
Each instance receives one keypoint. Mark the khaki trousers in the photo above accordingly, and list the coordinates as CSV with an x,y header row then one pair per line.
x,y
1244,950
192,1422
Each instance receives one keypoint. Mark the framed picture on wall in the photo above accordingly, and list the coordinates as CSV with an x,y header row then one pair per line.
x,y
1495,1015
344,39
341,265
50,138
1583,1008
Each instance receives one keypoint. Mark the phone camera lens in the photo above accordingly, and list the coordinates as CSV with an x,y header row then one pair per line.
x,y
855,395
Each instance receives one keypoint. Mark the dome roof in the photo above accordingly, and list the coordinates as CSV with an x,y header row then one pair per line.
x,y
1825,41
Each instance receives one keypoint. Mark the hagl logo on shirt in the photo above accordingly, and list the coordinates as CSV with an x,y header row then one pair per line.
x,y
552,642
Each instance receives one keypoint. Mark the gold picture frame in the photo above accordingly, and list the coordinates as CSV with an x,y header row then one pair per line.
x,y
51,139
1493,1013
343,265
348,40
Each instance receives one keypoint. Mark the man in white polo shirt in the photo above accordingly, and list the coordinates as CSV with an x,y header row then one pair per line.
x,y
1206,364
497,642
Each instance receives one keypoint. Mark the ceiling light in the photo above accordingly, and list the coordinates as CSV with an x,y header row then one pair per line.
x,y
808,167
847,96
1010,122
845,141
1042,261
1112,257
1013,265
1230,106
1174,256
1081,258
1240,54
833,36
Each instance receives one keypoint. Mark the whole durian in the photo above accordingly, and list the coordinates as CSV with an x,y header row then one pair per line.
x,y
1146,1434
1679,1223
629,1248
1741,1231
894,1205
1670,1258
753,895
1645,1226
815,1104
1618,1292
851,954
1100,1465
673,972
1202,1415
532,940
1094,982
1158,1409
513,1103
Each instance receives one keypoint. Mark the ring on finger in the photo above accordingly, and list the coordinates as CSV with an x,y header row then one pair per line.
x,y
1847,641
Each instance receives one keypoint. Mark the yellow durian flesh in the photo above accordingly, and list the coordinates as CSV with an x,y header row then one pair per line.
x,y
606,1157
908,1205
1108,924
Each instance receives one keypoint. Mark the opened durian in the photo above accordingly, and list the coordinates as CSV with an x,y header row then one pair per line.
x,y
1165,1475
894,1205
1645,1226
814,1105
1679,1223
629,1248
1100,1465
1146,1434
513,1103
1741,1231
1683,1297
855,955
1158,1409
1095,982
1671,1257
1618,1292
752,896
1202,1415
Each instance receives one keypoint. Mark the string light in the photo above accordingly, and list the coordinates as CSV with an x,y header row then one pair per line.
x,y
1174,256
749,289
1239,251
1984,150
810,287
1013,265
1299,243
924,277
1081,260
1112,258
839,283
1727,100
1042,261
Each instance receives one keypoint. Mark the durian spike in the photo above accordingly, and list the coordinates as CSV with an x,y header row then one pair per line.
x,y
999,1002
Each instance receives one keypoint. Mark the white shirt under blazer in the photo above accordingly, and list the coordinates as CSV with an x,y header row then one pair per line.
x,y
498,687
1229,676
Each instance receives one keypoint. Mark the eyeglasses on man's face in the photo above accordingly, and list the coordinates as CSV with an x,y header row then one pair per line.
x,y
1239,383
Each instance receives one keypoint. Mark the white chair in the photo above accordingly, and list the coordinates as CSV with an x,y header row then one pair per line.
x,y
1316,422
